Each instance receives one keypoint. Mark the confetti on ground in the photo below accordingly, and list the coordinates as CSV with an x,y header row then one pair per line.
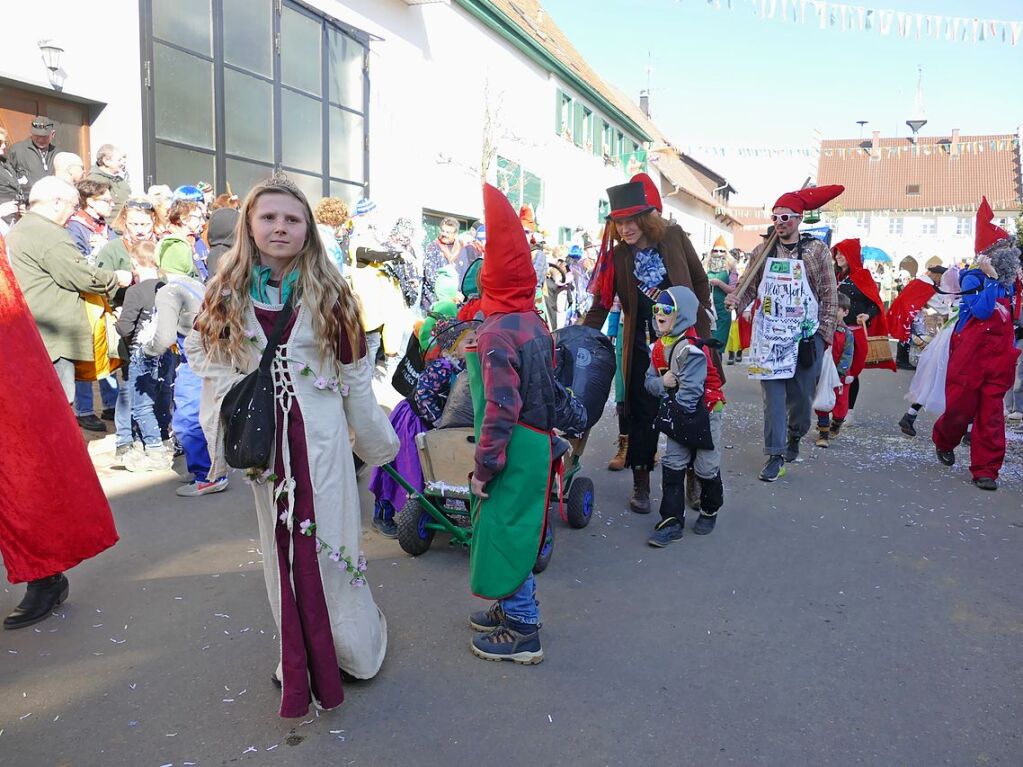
x,y
549,719
26,716
250,750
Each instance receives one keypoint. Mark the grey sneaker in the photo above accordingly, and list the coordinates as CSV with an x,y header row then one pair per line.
x,y
202,488
665,532
774,468
150,459
121,452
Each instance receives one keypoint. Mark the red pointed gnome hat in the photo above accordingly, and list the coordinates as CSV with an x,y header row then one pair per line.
x,y
527,217
987,234
653,194
508,280
810,198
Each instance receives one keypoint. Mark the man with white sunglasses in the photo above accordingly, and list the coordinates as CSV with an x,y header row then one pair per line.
x,y
793,322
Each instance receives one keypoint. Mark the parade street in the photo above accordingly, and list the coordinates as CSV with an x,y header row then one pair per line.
x,y
863,610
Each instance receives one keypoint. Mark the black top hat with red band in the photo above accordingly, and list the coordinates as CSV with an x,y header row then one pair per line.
x,y
628,200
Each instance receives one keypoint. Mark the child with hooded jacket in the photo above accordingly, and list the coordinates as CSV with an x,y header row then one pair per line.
x,y
681,366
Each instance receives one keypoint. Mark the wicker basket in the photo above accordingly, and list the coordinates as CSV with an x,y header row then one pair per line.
x,y
879,350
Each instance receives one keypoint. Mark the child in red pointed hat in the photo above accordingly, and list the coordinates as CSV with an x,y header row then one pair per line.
x,y
511,375
982,358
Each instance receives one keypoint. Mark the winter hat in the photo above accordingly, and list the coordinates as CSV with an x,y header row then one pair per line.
x,y
508,279
440,311
448,334
364,206
575,252
653,195
188,192
987,233
528,218
810,198
686,305
720,243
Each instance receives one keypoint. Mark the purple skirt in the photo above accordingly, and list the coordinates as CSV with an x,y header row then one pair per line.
x,y
406,425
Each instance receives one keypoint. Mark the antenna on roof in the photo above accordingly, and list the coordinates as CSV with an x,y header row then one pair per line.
x,y
644,95
919,116
861,123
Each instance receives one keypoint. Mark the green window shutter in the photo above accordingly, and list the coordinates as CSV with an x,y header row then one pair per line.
x,y
577,128
603,210
559,110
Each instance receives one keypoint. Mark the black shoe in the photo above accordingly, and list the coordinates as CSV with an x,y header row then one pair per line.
x,y
773,469
666,531
705,524
986,483
91,423
386,527
947,457
904,365
792,450
487,620
108,414
906,424
42,596
731,359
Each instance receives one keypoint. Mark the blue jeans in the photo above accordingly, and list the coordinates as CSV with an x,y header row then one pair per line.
x,y
522,606
149,383
187,391
84,404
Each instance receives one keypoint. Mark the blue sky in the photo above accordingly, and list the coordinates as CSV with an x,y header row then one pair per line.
x,y
728,78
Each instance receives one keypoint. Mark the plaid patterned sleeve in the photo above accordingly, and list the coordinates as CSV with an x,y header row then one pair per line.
x,y
499,357
750,293
821,274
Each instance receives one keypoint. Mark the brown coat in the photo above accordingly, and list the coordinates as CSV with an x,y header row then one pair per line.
x,y
683,267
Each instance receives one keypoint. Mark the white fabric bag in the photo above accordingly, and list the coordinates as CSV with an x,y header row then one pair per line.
x,y
824,399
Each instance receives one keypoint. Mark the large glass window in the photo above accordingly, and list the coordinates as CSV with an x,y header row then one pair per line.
x,y
235,88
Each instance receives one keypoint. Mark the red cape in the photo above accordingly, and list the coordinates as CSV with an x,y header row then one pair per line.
x,y
53,513
905,307
863,280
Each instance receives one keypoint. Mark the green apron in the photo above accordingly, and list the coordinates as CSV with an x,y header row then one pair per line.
x,y
507,527
724,323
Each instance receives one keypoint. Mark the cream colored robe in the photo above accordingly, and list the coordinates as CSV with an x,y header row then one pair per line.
x,y
335,424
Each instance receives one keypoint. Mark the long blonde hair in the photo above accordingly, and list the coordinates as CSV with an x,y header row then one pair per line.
x,y
320,288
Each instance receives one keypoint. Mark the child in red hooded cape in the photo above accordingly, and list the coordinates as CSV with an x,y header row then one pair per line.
x,y
46,527
866,318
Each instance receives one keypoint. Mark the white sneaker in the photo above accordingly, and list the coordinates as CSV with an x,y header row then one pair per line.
x,y
1016,416
150,459
202,488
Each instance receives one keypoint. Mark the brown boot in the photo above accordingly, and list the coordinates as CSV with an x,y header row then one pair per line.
x,y
618,462
823,436
692,489
640,500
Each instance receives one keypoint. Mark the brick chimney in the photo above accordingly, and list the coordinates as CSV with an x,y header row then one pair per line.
x,y
875,144
953,144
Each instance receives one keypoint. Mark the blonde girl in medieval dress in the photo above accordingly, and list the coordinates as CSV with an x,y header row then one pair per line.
x,y
307,501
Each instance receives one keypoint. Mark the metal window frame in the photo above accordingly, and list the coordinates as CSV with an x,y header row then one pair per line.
x,y
147,40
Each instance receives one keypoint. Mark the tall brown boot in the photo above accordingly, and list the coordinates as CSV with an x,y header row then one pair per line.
x,y
618,462
640,500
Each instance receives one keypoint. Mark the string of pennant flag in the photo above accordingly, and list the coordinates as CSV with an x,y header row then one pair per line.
x,y
914,150
886,22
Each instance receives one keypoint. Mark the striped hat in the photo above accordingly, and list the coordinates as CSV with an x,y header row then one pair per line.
x,y
364,206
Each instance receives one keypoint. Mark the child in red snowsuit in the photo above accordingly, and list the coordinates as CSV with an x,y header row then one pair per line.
x,y
842,352
982,362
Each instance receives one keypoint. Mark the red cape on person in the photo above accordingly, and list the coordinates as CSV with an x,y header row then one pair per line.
x,y
53,513
906,306
863,280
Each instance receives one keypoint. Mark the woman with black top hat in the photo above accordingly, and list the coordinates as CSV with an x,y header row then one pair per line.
x,y
641,255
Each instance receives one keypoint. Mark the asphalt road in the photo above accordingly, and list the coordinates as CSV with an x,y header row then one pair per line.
x,y
865,610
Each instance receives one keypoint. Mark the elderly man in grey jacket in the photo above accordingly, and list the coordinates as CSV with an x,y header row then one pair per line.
x,y
53,274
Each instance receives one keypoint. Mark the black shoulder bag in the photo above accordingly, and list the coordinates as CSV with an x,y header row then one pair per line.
x,y
248,409
689,428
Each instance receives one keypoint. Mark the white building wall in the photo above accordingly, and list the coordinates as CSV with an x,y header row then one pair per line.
x,y
101,61
948,241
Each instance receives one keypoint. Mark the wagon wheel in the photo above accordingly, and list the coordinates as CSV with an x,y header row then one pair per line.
x,y
413,535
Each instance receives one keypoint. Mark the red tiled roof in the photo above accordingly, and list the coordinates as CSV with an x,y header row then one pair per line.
x,y
933,173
